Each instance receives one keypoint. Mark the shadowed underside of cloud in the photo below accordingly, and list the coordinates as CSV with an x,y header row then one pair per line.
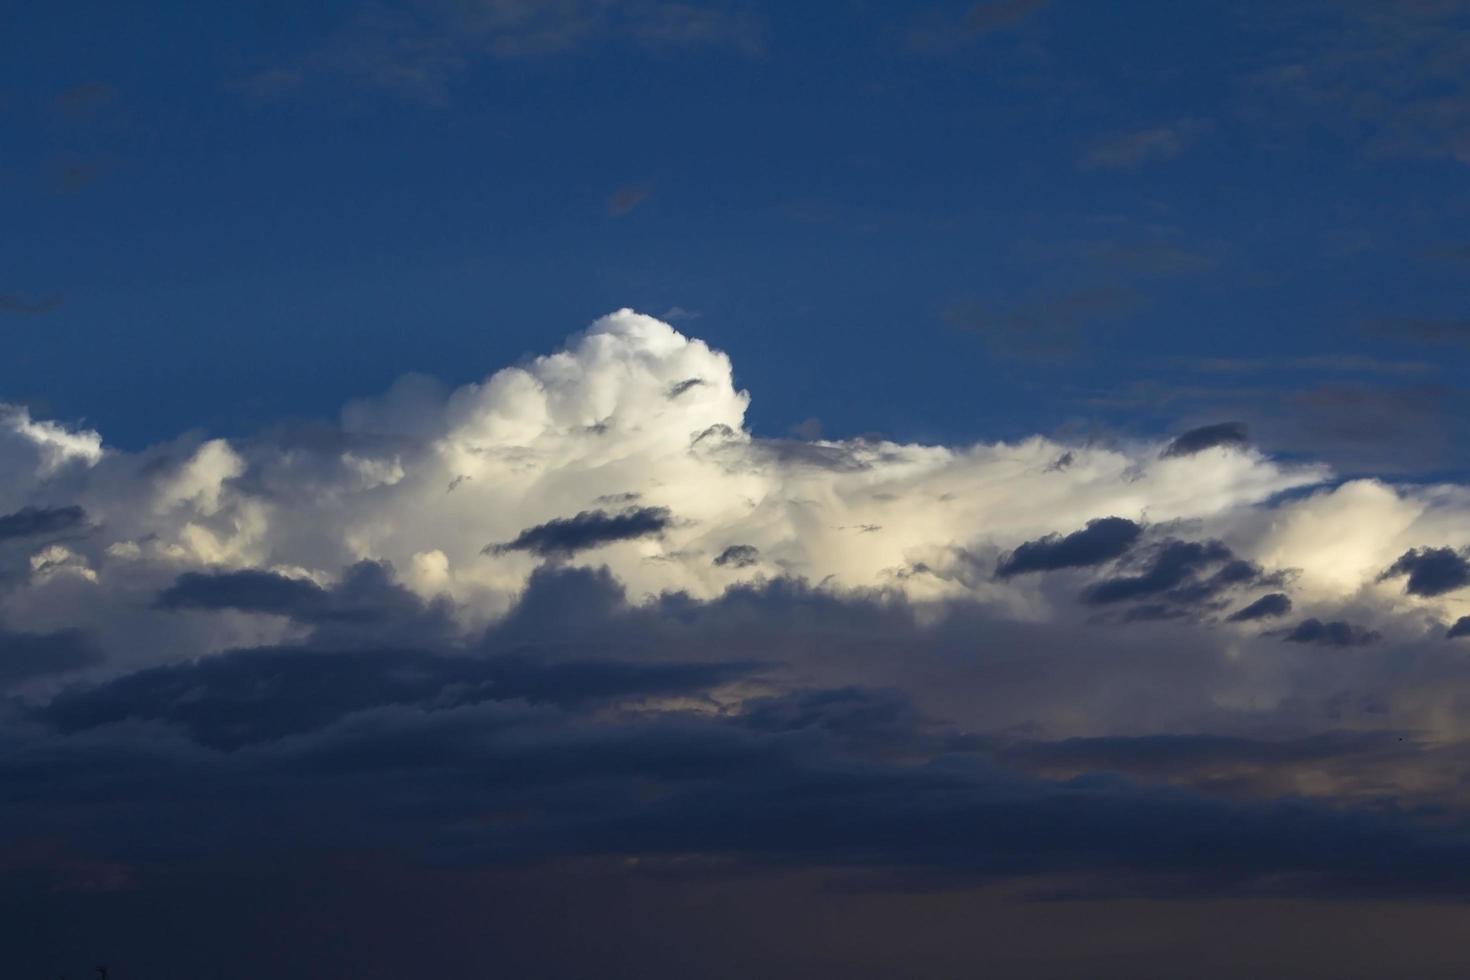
x,y
738,556
1266,607
31,521
1100,541
28,656
248,590
1430,571
1460,628
380,748
253,696
1331,634
1173,567
588,529
1232,434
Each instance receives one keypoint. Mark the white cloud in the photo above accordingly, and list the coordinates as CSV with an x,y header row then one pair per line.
x,y
634,413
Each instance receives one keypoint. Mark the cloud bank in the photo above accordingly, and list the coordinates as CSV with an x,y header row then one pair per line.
x,y
579,609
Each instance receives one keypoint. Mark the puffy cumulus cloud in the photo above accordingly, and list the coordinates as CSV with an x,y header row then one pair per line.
x,y
580,608
628,449
535,461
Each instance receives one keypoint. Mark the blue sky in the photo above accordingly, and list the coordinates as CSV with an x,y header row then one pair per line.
x,y
897,218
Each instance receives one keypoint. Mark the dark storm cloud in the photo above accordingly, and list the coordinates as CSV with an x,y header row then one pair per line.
x,y
1233,434
1100,541
1460,628
588,529
738,556
1172,565
1267,606
18,305
31,521
1430,571
27,656
1331,634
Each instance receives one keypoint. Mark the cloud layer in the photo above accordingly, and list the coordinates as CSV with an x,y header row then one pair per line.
x,y
579,609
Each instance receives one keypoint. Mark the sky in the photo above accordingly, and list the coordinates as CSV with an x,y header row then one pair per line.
x,y
644,488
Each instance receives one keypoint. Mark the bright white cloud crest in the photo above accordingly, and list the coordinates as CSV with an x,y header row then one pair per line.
x,y
634,415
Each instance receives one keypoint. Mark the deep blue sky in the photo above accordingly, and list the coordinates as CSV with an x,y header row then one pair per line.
x,y
927,220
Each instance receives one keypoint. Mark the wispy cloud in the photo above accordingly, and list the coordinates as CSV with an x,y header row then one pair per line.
x,y
419,52
1132,149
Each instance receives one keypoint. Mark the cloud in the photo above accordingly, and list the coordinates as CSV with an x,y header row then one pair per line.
x,y
1386,78
946,32
1332,634
289,748
1460,628
247,590
1230,434
1173,568
588,529
993,15
422,51
28,656
1422,330
250,697
626,199
694,640
1431,571
20,306
1133,149
1050,326
1266,607
1100,541
81,102
32,521
1343,363
738,556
